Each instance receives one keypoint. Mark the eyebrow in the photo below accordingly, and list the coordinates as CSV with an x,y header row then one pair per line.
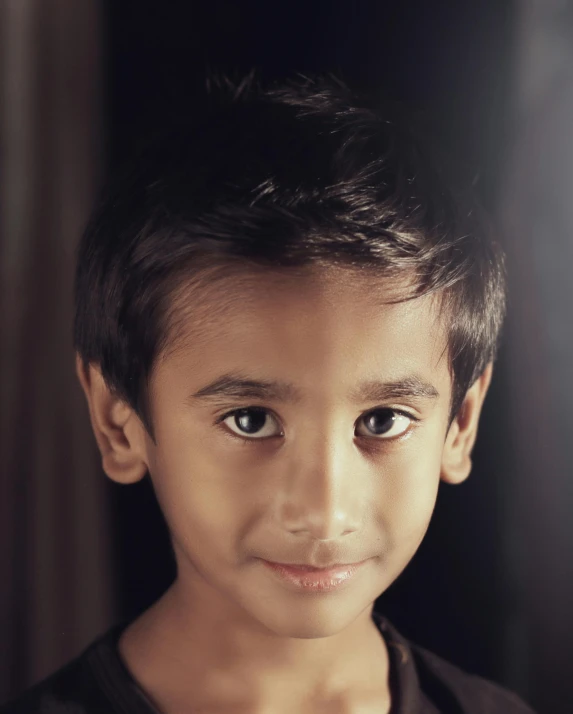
x,y
236,386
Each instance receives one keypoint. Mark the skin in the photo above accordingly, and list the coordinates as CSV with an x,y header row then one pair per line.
x,y
229,635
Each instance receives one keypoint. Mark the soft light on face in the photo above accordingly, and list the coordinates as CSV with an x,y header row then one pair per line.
x,y
303,422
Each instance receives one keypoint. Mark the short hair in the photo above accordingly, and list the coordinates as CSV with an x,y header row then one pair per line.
x,y
303,172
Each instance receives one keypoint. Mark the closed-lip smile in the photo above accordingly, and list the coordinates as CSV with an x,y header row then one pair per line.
x,y
311,579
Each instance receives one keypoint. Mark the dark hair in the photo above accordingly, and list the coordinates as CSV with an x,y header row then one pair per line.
x,y
300,173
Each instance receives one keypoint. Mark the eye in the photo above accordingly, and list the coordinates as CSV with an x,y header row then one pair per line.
x,y
252,422
386,423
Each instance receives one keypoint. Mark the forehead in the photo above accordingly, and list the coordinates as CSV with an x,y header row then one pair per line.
x,y
307,321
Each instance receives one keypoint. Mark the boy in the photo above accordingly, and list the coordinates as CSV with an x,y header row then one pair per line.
x,y
287,319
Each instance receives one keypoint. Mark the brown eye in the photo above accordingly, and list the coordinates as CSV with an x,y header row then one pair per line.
x,y
385,423
252,422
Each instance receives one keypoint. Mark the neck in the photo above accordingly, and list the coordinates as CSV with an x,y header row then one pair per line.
x,y
208,652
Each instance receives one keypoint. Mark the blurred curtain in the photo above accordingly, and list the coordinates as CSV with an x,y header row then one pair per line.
x,y
55,550
537,213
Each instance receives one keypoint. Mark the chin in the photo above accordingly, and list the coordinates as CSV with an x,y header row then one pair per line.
x,y
309,617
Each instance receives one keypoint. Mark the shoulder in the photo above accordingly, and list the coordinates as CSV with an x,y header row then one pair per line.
x,y
73,689
457,690
63,692
432,684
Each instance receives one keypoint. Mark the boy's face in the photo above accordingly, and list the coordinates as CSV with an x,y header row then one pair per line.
x,y
324,470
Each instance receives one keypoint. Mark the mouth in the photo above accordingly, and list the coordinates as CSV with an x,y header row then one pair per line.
x,y
311,579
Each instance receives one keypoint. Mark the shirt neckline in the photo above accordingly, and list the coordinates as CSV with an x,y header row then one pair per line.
x,y
127,697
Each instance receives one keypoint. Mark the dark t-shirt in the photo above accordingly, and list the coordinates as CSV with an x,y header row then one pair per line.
x,y
98,682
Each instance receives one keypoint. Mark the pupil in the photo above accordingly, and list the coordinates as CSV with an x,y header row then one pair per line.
x,y
250,420
380,422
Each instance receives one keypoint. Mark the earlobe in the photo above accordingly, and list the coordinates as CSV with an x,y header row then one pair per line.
x,y
456,457
117,429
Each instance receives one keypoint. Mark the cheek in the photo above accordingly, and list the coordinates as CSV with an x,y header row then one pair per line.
x,y
410,493
202,496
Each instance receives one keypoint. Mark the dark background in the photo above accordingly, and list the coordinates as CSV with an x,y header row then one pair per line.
x,y
452,59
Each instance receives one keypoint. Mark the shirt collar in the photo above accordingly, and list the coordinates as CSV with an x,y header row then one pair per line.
x,y
405,692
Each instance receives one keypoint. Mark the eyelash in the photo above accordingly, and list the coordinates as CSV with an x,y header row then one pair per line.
x,y
219,421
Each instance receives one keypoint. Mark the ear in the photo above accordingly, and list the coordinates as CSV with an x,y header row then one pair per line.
x,y
119,433
456,456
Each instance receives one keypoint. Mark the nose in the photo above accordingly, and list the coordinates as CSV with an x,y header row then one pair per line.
x,y
324,488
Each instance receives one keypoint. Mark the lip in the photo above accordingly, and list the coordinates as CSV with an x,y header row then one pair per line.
x,y
304,577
